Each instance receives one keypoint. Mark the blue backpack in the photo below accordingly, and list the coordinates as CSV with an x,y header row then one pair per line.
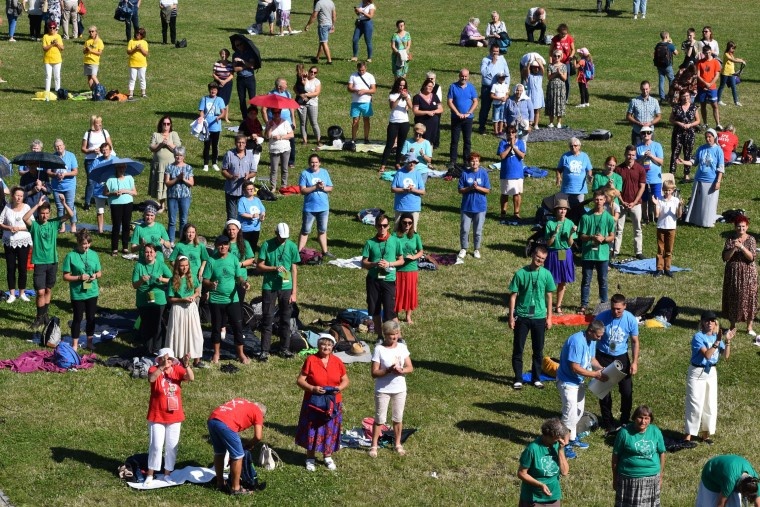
x,y
98,92
589,70
65,356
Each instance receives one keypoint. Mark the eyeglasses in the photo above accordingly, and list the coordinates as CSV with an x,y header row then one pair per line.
x,y
407,222
312,72
575,145
384,226
705,31
646,133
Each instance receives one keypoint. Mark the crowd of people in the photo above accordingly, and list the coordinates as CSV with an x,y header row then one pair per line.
x,y
192,273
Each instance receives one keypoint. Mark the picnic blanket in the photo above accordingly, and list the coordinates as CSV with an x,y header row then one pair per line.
x,y
196,475
360,147
528,377
365,357
251,345
352,263
571,319
42,360
550,135
642,267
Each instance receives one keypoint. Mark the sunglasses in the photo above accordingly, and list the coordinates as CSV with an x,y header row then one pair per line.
x,y
384,226
166,123
407,222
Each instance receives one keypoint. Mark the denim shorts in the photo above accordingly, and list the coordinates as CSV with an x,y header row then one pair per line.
x,y
324,32
498,111
361,109
308,218
224,439
707,96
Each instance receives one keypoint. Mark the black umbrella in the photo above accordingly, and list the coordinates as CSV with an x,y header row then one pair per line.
x,y
40,159
249,45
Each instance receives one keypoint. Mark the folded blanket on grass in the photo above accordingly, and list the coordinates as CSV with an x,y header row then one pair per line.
x,y
42,360
196,475
352,263
642,267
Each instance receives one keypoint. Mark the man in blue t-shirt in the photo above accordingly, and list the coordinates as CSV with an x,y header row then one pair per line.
x,y
511,151
64,182
619,326
574,172
408,187
463,101
576,362
315,185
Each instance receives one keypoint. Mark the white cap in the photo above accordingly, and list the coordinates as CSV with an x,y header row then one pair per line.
x,y
234,222
283,231
166,351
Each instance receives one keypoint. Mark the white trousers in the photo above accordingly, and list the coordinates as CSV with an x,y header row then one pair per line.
x,y
573,400
701,401
159,435
706,498
52,70
134,74
635,216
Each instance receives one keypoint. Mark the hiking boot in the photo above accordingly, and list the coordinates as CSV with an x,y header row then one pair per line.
x,y
668,273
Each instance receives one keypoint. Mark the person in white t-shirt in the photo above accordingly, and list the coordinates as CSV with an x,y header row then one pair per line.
x,y
390,365
499,94
362,86
283,16
667,211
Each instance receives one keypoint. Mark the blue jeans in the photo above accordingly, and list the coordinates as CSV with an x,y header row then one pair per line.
x,y
475,220
731,82
245,84
70,195
11,26
365,28
665,72
181,204
601,277
640,7
89,189
134,21
309,217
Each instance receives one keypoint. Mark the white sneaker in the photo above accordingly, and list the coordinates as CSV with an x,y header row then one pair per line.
x,y
223,333
11,297
205,168
720,102
536,128
643,16
310,466
462,254
216,167
24,297
581,105
148,480
559,125
330,464
476,254
738,104
635,16
550,126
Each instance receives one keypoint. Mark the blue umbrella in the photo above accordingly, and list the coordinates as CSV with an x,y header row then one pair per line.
x,y
108,169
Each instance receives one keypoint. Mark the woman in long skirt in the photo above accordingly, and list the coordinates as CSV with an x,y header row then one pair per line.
x,y
560,236
703,206
407,275
183,332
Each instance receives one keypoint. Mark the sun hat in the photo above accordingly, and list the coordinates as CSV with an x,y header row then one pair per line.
x,y
166,351
646,129
562,203
233,222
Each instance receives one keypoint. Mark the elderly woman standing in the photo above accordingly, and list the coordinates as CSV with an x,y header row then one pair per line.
x,y
390,365
638,461
322,373
702,378
279,133
684,118
740,277
703,206
179,180
163,143
519,111
470,35
556,95
92,140
165,412
541,464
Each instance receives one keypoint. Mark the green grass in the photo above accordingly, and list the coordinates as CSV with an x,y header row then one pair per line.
x,y
64,435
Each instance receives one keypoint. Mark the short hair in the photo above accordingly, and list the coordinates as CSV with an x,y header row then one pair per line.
x,y
630,147
180,150
610,158
748,487
691,30
314,155
83,235
643,410
562,26
420,126
430,75
495,13
664,35
741,219
93,28
248,183
361,65
36,142
574,140
474,155
553,428
379,218
668,185
262,407
617,298
104,145
730,128
475,21
512,129
141,32
213,84
399,22
596,325
390,326
240,137
277,81
600,191
540,248
151,246
44,206
644,82
225,52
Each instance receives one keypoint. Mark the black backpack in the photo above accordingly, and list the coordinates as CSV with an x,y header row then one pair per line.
x,y
661,55
667,308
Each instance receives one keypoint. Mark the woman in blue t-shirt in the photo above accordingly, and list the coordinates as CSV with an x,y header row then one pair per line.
x,y
212,109
474,186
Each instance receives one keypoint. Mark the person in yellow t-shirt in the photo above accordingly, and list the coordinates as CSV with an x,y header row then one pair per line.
x,y
52,45
137,49
93,48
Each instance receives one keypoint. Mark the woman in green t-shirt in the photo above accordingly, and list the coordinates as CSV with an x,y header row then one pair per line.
x,y
406,275
149,279
560,233
81,268
183,331
541,464
189,246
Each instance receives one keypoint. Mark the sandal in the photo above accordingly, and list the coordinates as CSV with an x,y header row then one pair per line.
x,y
373,452
558,310
240,491
582,310
400,450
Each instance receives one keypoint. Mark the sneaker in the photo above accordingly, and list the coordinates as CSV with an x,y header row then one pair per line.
x,y
328,254
263,358
24,297
168,480
462,253
517,386
738,104
216,167
476,254
559,125
640,256
536,127
310,466
148,480
635,16
581,105
577,444
720,102
205,168
752,333
658,273
11,297
643,16
550,126
668,273
330,464
570,453
286,354
756,342
719,127
538,384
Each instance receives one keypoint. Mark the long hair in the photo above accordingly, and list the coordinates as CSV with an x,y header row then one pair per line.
x,y
161,120
183,235
239,241
177,276
400,225
397,84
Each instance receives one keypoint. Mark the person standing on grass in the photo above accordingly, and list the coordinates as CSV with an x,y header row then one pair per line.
x,y
251,213
474,186
120,190
560,234
243,63
530,311
643,111
667,210
577,362
93,49
512,152
663,61
651,157
362,86
212,109
574,172
237,167
565,43
81,269
63,182
462,100
52,45
708,75
634,183
44,233
408,187
407,274
325,14
381,256
597,233
364,26
541,464
287,115
224,425
17,241
619,326
179,181
315,185
492,66
149,279
137,49
168,10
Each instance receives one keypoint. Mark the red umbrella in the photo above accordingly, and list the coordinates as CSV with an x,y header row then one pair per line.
x,y
272,101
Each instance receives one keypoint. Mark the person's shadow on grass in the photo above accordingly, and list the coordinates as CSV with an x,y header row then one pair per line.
x,y
89,458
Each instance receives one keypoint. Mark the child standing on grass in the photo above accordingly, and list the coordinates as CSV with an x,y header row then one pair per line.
x,y
283,16
583,64
499,93
137,49
667,211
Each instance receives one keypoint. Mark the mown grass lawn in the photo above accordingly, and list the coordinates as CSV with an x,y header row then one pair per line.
x,y
64,435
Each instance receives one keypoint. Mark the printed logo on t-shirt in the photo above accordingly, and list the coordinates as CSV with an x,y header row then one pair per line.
x,y
409,182
576,166
255,210
617,336
548,466
645,448
315,181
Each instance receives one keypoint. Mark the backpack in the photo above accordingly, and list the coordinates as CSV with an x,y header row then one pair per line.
x,y
249,479
661,55
666,308
749,152
310,257
599,135
62,93
503,42
344,336
51,335
98,92
268,458
589,70
123,11
265,194
65,356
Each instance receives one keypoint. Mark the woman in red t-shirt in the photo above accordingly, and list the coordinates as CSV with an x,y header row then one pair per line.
x,y
165,414
320,372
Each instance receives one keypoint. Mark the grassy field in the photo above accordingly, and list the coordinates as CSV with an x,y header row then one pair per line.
x,y
64,435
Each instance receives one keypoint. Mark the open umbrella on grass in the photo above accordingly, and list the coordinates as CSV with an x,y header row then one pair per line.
x,y
108,169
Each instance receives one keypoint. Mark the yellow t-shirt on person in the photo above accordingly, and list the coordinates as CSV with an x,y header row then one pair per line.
x,y
137,59
95,45
728,66
52,55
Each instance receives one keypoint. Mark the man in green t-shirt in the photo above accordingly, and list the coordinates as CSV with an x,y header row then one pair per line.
x,y
530,311
277,261
44,233
597,232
